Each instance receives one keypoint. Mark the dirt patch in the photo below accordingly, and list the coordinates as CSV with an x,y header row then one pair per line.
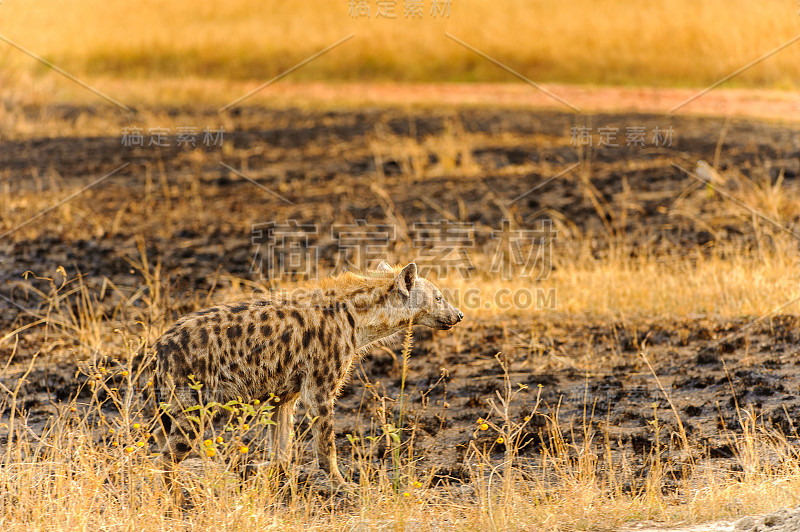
x,y
786,520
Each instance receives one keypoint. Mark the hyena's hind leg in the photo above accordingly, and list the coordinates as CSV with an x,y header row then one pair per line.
x,y
280,434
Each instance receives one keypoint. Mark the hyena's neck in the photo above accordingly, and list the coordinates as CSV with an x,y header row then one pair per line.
x,y
378,314
369,333
372,301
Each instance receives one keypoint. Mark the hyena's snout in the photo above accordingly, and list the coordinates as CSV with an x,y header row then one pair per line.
x,y
450,317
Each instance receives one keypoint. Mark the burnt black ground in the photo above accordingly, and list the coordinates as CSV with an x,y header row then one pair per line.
x,y
198,222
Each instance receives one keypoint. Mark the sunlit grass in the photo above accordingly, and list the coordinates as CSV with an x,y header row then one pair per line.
x,y
614,42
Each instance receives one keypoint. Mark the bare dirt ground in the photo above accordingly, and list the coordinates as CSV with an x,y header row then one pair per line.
x,y
769,104
196,217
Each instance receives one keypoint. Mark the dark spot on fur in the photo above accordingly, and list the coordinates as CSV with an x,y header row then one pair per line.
x,y
217,329
286,337
300,321
251,328
324,410
279,314
255,351
307,336
321,334
182,447
202,366
266,330
203,337
264,316
296,383
234,332
350,319
184,338
239,308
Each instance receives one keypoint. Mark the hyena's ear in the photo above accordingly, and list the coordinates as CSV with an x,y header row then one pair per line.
x,y
406,279
384,267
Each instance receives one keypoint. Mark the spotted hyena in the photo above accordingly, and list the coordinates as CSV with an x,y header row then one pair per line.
x,y
299,345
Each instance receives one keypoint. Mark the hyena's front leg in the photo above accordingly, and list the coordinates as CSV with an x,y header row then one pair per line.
x,y
175,450
320,406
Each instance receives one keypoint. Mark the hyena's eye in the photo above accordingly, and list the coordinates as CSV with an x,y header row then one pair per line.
x,y
439,298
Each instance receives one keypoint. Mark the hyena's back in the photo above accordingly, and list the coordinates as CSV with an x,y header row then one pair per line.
x,y
255,348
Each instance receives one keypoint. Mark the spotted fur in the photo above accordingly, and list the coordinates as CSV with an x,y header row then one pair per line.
x,y
299,345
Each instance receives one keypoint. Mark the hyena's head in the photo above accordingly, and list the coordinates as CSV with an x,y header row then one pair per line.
x,y
419,300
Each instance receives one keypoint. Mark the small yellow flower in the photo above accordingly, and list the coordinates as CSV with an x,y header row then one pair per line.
x,y
129,449
102,369
136,425
540,385
484,426
210,452
111,430
125,373
245,427
114,444
220,439
480,420
208,443
72,409
139,444
500,440
417,484
244,449
527,418
277,399
149,383
406,494
256,402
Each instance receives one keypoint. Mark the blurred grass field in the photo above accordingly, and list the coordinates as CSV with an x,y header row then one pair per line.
x,y
682,43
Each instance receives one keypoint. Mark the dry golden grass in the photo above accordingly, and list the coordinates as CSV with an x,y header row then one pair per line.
x,y
90,467
683,43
